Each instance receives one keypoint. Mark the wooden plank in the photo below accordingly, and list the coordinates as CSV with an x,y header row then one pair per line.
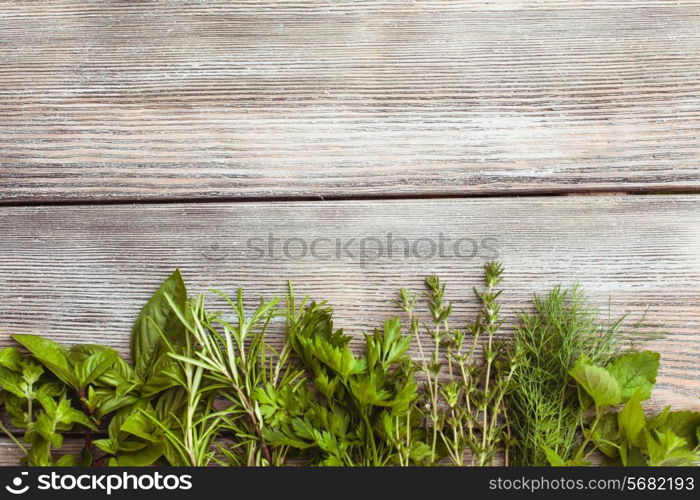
x,y
274,98
11,455
81,273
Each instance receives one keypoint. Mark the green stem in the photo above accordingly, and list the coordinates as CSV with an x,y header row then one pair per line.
x,y
13,438
30,410
598,416
370,433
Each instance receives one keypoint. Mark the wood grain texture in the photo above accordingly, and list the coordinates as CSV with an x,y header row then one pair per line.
x,y
81,273
264,99
11,455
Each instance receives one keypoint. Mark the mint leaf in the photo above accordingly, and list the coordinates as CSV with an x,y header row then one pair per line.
x,y
632,421
51,355
11,382
597,382
668,449
606,435
684,424
11,359
635,371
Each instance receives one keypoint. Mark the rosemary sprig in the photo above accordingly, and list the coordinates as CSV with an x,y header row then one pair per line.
x,y
242,367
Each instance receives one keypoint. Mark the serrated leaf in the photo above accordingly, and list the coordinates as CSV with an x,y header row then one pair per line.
x,y
606,435
339,359
67,415
31,372
667,450
40,453
635,371
11,382
367,391
597,382
683,424
11,358
419,452
51,355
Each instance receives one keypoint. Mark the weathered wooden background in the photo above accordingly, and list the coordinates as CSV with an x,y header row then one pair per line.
x,y
140,136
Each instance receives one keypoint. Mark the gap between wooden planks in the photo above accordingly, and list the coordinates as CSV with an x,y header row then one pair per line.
x,y
209,100
81,273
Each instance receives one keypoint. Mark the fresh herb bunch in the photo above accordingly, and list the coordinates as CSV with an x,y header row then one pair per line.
x,y
80,387
244,370
628,437
544,411
357,410
209,387
170,420
36,401
464,409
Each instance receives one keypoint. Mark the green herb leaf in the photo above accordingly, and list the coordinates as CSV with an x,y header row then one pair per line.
x,y
668,449
95,365
11,358
553,457
140,458
158,316
606,435
11,382
51,355
597,382
685,424
635,371
632,420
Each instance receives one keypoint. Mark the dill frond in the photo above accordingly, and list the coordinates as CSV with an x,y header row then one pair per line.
x,y
544,411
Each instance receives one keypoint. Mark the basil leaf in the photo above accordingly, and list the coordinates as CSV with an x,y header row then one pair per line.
x,y
90,369
162,376
65,461
141,458
106,445
158,316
